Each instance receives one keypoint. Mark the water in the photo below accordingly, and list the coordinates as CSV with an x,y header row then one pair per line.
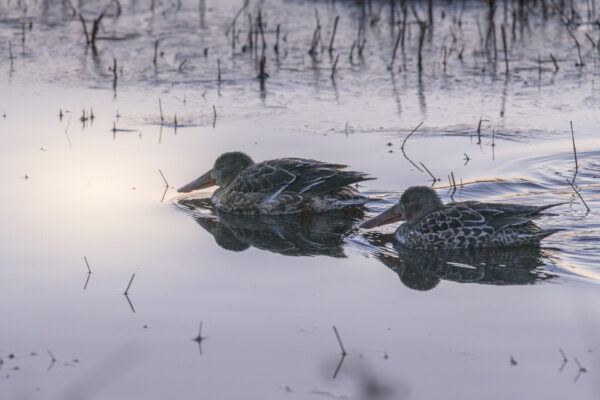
x,y
268,294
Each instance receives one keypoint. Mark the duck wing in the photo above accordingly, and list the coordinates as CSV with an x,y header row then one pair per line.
x,y
500,216
295,176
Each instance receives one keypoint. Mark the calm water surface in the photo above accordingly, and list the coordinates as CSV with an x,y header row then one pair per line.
x,y
267,293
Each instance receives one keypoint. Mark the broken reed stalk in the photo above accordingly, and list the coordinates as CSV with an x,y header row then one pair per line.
x,y
219,70
114,73
10,54
423,27
250,32
430,13
87,264
590,39
581,63
410,134
505,49
85,31
126,292
259,22
444,61
404,142
236,16
95,28
563,354
555,63
276,47
334,66
316,39
400,33
429,172
181,64
162,118
214,115
337,335
479,131
155,53
578,194
202,11
262,74
335,24
164,179
574,148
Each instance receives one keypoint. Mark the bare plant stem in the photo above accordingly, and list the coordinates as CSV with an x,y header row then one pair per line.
x,y
337,335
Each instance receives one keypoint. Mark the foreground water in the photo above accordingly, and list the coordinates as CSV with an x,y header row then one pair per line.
x,y
266,296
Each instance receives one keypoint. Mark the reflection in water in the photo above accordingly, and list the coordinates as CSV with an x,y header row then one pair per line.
x,y
290,235
423,270
312,235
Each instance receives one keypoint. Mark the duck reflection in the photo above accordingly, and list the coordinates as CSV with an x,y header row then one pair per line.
x,y
289,235
423,270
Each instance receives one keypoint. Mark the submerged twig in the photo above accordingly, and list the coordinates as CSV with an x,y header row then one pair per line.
x,y
87,264
199,339
335,24
574,149
429,172
334,66
578,194
337,335
162,118
555,63
404,142
126,292
505,49
164,179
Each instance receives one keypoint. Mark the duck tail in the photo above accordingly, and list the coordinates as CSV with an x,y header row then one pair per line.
x,y
536,238
547,206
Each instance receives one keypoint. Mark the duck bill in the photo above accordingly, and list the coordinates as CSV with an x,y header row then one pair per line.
x,y
386,217
204,181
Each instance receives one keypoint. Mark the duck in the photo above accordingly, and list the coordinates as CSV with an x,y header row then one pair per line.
x,y
280,186
430,224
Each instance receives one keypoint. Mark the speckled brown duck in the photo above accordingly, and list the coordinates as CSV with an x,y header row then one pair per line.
x,y
430,224
281,186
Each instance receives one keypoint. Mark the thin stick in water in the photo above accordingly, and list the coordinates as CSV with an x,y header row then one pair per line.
x,y
162,118
335,24
404,142
333,67
337,335
155,52
555,63
578,194
429,172
505,49
126,292
574,149
164,179
87,264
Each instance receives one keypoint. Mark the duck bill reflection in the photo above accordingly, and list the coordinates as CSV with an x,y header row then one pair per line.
x,y
204,181
386,217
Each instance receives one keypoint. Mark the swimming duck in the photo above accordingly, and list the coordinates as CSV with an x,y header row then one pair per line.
x,y
430,224
281,186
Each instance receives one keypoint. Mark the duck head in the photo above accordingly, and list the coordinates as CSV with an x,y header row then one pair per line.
x,y
226,168
415,203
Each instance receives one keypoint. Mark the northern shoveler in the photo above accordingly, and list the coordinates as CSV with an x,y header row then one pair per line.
x,y
430,224
281,186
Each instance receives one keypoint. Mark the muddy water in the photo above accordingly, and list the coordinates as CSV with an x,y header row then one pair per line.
x,y
267,295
